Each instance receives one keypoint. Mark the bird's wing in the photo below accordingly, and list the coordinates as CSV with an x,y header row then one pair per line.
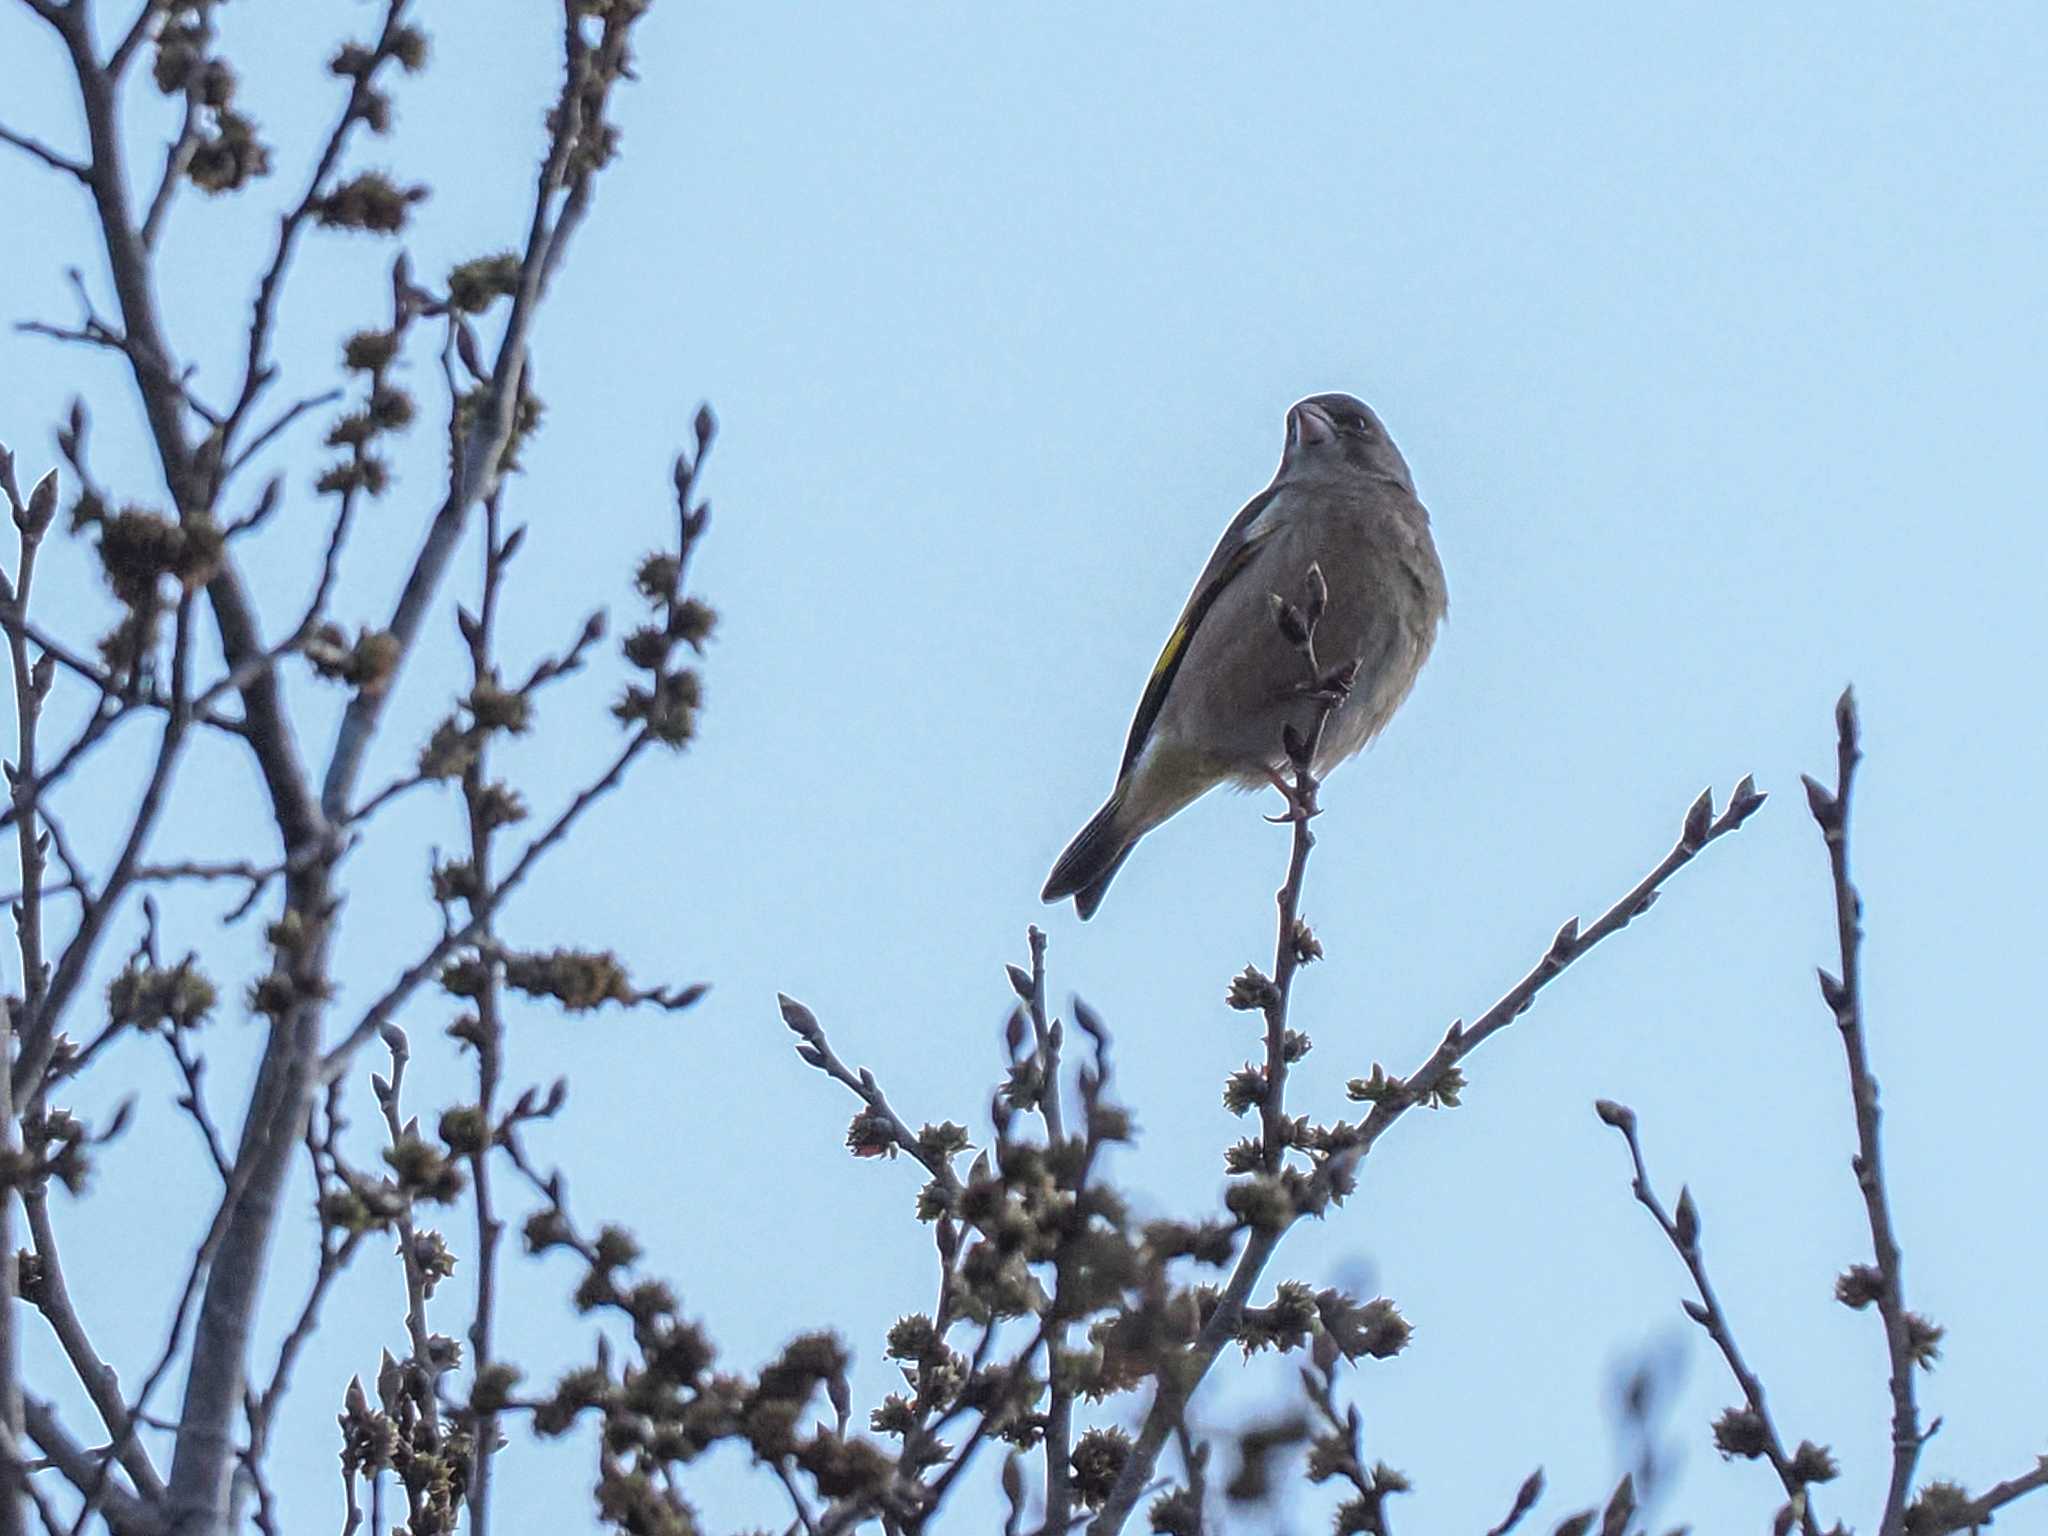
x,y
1233,553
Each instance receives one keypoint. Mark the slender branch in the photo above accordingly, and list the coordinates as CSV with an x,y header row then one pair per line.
x,y
44,153
31,683
817,1051
75,875
490,1039
125,1514
95,332
1844,995
14,1455
478,454
246,1170
257,370
389,792
1294,945
408,1245
1059,1413
193,1101
802,1506
133,38
1683,1233
1980,1509
257,877
1701,829
270,433
67,658
334,1257
186,471
337,1059
53,1299
178,153
39,1035
1353,1143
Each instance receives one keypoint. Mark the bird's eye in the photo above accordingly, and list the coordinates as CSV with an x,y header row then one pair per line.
x,y
1357,424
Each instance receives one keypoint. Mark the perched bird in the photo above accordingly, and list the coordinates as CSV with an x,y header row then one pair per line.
x,y
1230,683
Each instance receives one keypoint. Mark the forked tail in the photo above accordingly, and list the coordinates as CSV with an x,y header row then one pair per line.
x,y
1092,859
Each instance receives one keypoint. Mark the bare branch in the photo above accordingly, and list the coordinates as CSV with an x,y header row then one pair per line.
x,y
817,1051
95,332
52,1298
126,1514
269,433
133,38
246,1170
478,454
1756,1427
257,370
1844,995
177,154
44,153
334,1257
257,878
88,737
39,1032
192,1068
1979,1510
338,1057
31,683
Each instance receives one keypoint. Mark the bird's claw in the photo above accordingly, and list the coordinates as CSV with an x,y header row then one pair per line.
x,y
1293,814
1299,806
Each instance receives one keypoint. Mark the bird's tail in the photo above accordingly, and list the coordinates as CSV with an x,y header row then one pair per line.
x,y
1093,858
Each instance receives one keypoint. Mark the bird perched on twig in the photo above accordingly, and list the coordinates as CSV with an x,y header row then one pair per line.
x,y
1230,687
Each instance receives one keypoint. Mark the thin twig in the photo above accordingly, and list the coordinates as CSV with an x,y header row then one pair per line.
x,y
178,153
1844,995
44,153
269,434
408,1246
257,877
477,456
53,1300
338,1057
1683,1232
31,684
257,370
125,1513
95,332
133,38
261,1411
1059,1412
817,1051
483,830
39,1034
202,1261
388,793
1996,1497
193,1101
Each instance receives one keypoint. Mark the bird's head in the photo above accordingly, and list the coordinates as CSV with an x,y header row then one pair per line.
x,y
1329,436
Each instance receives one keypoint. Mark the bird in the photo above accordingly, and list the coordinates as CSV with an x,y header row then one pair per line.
x,y
1233,684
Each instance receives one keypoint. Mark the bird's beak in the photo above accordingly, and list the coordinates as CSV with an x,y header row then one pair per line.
x,y
1309,424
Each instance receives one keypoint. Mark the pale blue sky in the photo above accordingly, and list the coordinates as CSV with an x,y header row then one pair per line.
x,y
1714,335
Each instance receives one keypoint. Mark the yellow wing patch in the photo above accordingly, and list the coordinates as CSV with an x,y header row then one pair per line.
x,y
1176,648
1171,654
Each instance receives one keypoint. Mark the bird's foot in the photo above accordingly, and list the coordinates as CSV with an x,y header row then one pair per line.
x,y
1299,807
